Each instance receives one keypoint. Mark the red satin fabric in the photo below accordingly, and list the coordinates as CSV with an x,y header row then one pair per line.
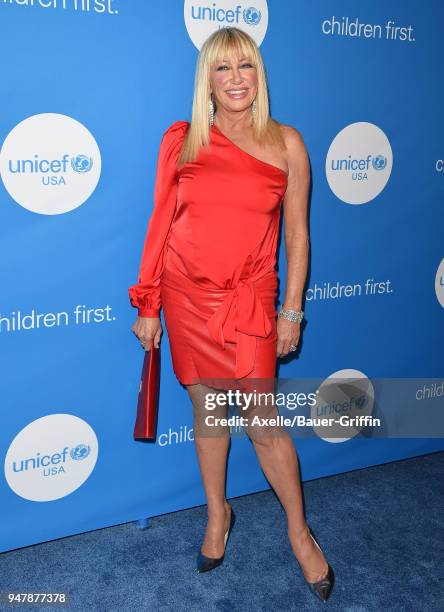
x,y
209,259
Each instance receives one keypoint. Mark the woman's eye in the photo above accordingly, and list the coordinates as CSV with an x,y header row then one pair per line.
x,y
245,65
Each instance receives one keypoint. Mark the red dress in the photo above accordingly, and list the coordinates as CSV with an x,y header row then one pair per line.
x,y
209,259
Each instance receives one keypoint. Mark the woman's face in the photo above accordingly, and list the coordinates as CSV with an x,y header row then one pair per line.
x,y
233,83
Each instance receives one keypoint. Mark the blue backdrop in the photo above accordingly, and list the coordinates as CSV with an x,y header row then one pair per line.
x,y
87,90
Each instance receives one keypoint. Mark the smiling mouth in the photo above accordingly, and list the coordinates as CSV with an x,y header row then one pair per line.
x,y
236,93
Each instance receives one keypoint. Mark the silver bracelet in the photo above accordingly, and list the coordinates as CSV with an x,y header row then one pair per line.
x,y
291,315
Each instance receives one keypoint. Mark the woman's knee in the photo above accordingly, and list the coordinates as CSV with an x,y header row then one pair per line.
x,y
208,414
269,438
263,426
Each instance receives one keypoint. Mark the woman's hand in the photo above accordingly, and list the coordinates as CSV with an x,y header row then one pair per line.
x,y
288,333
147,328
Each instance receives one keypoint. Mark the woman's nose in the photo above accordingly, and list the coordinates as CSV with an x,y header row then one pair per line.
x,y
236,77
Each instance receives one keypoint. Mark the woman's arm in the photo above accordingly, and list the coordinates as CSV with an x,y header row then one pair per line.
x,y
295,206
145,295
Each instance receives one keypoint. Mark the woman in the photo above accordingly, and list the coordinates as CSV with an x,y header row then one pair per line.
x,y
209,260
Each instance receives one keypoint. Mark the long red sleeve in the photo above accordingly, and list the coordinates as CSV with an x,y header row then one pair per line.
x,y
145,295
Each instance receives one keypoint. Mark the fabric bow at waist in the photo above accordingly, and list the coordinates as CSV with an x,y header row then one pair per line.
x,y
241,318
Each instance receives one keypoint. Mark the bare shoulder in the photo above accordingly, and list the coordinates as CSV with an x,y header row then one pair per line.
x,y
294,140
297,156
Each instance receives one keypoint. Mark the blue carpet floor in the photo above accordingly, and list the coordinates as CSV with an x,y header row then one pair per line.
x,y
381,528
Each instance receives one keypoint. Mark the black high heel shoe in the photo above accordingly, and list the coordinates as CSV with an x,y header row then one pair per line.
x,y
204,563
323,587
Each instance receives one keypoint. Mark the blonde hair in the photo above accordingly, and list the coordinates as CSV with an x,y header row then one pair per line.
x,y
217,46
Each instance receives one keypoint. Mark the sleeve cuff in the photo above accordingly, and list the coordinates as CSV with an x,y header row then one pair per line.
x,y
149,312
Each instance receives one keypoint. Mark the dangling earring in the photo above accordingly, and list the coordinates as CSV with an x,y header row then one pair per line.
x,y
253,106
211,111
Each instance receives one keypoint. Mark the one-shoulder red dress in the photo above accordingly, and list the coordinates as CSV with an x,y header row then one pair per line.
x,y
209,259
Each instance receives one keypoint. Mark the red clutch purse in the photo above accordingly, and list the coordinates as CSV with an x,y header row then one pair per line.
x,y
147,403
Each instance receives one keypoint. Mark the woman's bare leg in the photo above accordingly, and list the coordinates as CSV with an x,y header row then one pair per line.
x,y
211,445
278,459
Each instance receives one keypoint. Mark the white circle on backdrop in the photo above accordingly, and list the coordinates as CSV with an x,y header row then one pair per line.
x,y
347,393
203,17
439,283
50,163
51,457
359,163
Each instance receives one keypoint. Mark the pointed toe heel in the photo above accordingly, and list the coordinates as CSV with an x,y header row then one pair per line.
x,y
322,588
204,563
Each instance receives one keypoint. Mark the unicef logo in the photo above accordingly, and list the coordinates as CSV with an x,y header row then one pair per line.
x,y
47,175
203,17
359,163
81,163
251,16
347,397
80,452
379,162
439,283
45,460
